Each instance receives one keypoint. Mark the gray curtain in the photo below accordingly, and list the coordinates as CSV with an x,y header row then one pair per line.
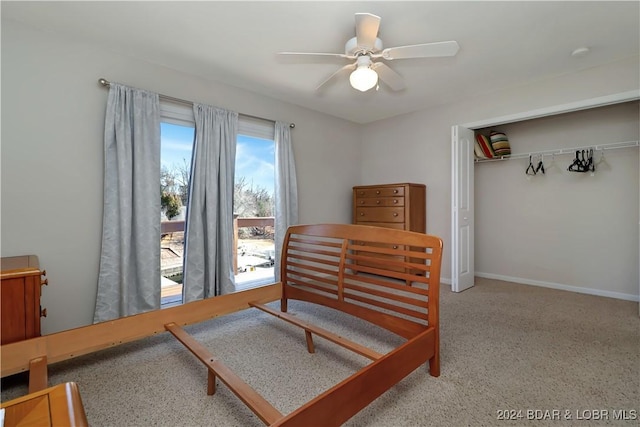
x,y
286,189
208,261
129,278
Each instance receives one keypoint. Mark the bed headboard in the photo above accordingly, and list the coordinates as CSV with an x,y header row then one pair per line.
x,y
385,276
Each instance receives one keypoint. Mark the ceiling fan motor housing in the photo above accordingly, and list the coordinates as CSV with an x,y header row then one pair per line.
x,y
351,47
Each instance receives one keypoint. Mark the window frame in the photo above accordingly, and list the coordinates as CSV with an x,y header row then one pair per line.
x,y
181,113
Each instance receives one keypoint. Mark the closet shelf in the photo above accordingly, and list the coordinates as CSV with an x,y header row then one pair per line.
x,y
596,147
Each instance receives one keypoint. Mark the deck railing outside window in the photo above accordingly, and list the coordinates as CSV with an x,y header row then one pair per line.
x,y
252,259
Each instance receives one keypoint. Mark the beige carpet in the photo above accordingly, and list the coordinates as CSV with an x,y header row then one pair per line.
x,y
504,347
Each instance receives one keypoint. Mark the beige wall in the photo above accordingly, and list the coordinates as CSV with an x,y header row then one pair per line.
x,y
52,156
420,151
564,229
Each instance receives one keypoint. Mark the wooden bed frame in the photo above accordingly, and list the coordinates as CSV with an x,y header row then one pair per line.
x,y
388,277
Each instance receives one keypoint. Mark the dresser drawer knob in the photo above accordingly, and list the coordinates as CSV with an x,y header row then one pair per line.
x,y
44,282
361,213
362,202
43,312
395,201
44,273
377,202
395,214
377,191
395,246
395,191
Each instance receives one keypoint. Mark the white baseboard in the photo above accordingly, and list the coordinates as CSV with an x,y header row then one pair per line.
x,y
560,286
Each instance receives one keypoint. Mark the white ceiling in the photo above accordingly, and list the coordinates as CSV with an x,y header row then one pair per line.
x,y
502,44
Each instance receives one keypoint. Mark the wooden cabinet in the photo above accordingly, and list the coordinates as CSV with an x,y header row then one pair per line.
x,y
400,206
20,282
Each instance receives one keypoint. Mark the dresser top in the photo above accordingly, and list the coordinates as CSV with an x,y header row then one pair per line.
x,y
25,264
390,185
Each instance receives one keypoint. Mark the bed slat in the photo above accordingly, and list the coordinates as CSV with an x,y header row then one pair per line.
x,y
355,347
386,306
387,295
263,409
375,280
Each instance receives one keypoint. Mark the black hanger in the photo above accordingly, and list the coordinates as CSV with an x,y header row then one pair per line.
x,y
581,163
540,165
592,165
574,167
530,167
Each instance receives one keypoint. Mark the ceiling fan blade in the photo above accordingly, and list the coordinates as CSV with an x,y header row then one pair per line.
x,y
335,55
349,67
388,76
426,50
367,26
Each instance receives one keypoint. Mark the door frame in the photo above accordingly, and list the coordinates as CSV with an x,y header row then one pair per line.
x,y
601,101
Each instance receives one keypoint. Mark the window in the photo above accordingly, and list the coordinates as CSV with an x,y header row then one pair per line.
x,y
254,199
254,202
254,211
175,157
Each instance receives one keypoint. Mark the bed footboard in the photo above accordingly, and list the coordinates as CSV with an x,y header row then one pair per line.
x,y
387,277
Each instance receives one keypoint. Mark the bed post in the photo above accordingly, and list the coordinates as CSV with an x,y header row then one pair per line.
x,y
433,315
434,362
283,270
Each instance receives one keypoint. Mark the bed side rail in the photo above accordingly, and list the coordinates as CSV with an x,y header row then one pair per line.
x,y
310,329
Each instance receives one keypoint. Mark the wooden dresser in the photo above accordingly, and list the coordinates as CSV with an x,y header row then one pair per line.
x,y
401,206
20,282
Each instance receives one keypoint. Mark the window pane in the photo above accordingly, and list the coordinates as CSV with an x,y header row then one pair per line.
x,y
254,208
175,158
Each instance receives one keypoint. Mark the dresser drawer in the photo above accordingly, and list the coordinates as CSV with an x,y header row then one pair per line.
x,y
385,214
380,201
394,225
379,192
375,260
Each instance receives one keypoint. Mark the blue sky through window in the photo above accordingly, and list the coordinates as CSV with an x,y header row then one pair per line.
x,y
255,157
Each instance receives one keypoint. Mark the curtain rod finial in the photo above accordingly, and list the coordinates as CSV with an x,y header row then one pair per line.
x,y
292,125
103,82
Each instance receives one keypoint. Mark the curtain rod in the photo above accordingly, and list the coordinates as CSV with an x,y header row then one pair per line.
x,y
104,82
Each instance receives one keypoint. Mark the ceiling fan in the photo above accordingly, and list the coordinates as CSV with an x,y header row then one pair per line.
x,y
365,47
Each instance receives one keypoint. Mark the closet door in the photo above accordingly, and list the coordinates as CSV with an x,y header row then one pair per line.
x,y
462,229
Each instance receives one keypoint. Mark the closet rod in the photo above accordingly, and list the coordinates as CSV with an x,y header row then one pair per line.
x,y
602,147
104,82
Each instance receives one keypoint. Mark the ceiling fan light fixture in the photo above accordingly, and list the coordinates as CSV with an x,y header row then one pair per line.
x,y
363,78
